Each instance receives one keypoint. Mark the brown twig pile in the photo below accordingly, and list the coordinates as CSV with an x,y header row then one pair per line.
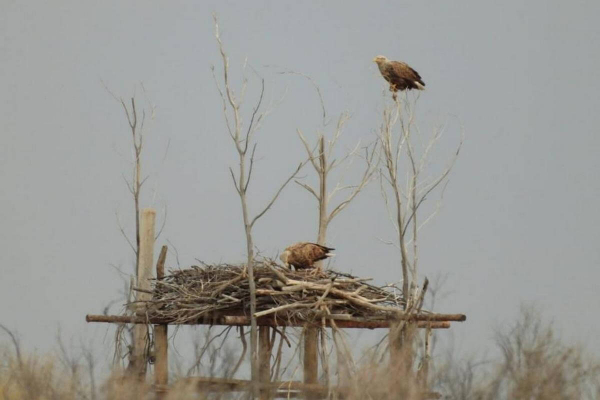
x,y
189,295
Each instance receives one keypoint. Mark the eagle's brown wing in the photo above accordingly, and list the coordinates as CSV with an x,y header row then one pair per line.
x,y
305,254
402,77
315,252
297,255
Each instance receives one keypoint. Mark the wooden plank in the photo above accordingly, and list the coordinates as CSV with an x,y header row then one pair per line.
x,y
265,321
240,385
144,274
280,389
161,365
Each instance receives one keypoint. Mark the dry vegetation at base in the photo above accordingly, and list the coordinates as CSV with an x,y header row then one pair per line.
x,y
532,364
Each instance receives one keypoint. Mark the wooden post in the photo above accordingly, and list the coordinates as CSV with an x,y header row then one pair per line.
x,y
144,274
161,364
311,357
264,359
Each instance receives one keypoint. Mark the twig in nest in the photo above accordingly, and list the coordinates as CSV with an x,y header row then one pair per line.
x,y
320,301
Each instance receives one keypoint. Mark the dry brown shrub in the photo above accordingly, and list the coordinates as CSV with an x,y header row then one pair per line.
x,y
533,364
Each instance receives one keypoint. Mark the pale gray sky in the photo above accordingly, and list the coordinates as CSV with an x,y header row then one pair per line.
x,y
519,222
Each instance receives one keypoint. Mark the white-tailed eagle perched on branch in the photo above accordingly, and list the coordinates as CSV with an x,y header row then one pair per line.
x,y
399,75
304,254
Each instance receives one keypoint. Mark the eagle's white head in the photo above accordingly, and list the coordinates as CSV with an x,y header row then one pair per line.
x,y
284,258
380,59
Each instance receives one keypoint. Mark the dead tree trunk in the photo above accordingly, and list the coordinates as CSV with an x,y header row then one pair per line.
x,y
311,333
323,166
323,217
405,161
242,138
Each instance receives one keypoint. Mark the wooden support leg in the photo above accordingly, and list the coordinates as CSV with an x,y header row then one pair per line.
x,y
311,357
264,359
161,363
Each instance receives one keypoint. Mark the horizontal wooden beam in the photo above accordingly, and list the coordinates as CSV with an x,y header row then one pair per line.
x,y
290,389
435,321
238,385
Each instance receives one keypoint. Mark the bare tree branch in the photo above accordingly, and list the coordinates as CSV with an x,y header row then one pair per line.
x,y
307,187
16,344
212,68
164,222
431,187
251,167
235,184
366,178
317,88
344,117
268,206
122,230
243,355
310,152
256,108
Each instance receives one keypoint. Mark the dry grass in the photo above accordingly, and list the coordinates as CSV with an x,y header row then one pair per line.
x,y
40,377
532,364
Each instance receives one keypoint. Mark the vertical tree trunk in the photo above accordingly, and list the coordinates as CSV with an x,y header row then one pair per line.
x,y
403,252
250,267
311,333
323,217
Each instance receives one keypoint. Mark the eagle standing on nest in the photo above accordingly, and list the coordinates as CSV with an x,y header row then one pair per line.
x,y
304,254
399,75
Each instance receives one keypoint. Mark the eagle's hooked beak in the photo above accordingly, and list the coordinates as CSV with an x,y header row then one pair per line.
x,y
374,59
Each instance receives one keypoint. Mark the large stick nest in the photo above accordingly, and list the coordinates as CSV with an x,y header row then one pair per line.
x,y
185,296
